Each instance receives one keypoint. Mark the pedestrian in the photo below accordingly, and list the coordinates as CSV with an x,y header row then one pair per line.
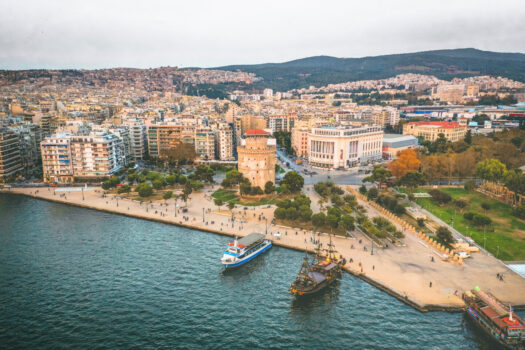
x,y
373,267
430,285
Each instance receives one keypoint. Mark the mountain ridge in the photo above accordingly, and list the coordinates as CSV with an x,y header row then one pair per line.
x,y
445,64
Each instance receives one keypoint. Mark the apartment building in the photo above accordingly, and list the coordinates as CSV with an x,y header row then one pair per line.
x,y
282,122
205,143
224,142
430,130
300,141
163,136
95,156
10,158
138,139
343,147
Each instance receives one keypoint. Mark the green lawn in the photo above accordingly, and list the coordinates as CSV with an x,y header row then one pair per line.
x,y
506,231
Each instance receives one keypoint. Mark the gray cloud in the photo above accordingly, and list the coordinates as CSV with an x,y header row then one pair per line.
x,y
95,34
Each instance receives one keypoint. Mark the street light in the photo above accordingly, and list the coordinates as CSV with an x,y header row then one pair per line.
x,y
202,214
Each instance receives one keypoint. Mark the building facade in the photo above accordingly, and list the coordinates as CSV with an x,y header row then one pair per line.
x,y
163,137
282,122
96,156
10,158
205,143
257,157
224,142
344,147
393,144
300,141
430,130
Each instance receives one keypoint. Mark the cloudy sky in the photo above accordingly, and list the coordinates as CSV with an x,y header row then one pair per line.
x,y
208,33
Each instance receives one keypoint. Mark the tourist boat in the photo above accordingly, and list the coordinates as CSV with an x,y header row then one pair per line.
x,y
495,319
316,276
245,249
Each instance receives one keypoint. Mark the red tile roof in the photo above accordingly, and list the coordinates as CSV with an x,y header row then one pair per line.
x,y
255,132
445,125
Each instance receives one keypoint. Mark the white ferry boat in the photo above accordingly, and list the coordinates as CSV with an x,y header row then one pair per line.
x,y
245,249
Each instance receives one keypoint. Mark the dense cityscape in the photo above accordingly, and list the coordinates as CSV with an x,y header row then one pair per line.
x,y
153,197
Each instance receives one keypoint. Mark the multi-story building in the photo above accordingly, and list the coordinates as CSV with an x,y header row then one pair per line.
x,y
257,157
300,141
10,159
224,142
95,156
385,116
282,122
98,155
30,136
163,136
393,144
430,130
138,139
56,158
205,143
343,147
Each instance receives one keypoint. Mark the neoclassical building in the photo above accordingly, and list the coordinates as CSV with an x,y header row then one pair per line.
x,y
257,157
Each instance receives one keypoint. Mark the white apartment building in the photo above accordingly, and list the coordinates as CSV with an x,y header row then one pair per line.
x,y
95,156
344,146
138,139
224,142
282,122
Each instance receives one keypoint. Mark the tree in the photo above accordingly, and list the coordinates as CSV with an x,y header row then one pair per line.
x,y
245,189
186,191
158,184
469,185
291,213
362,189
233,177
444,234
485,206
346,222
231,205
204,173
515,181
412,179
144,189
124,189
372,193
293,181
305,213
481,220
440,197
167,195
468,137
379,175
332,220
269,187
460,203
491,170
171,179
406,161
280,213
318,219
218,202
196,185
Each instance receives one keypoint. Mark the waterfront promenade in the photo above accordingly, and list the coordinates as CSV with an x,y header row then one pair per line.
x,y
409,273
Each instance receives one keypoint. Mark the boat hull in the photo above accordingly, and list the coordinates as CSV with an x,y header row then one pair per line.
x,y
249,258
315,289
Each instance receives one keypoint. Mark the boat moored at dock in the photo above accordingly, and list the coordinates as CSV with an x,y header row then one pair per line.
x,y
245,249
495,319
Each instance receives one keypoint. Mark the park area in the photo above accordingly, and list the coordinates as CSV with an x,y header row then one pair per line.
x,y
504,237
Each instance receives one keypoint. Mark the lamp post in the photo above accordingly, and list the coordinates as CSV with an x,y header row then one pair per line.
x,y
202,214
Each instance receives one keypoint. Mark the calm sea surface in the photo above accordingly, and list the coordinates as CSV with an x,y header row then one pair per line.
x,y
82,279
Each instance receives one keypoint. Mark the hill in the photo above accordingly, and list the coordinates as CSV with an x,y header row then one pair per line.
x,y
444,64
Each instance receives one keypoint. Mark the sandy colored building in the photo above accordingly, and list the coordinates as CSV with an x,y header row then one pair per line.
x,y
163,136
257,157
344,147
205,143
430,130
300,141
224,142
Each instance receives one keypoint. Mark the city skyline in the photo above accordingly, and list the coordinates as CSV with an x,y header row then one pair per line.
x,y
102,35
